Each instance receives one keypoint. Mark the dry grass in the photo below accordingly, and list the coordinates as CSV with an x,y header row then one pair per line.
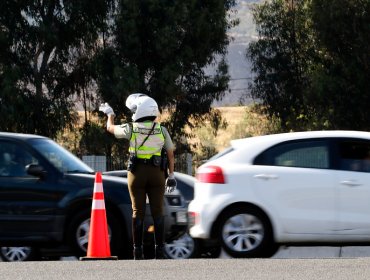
x,y
234,117
242,121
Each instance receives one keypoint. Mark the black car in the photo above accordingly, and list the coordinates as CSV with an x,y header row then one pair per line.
x,y
45,201
184,246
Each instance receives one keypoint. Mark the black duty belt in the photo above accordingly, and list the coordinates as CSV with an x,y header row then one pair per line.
x,y
154,160
144,160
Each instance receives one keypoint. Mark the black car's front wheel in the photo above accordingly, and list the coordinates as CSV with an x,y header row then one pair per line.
x,y
78,235
246,233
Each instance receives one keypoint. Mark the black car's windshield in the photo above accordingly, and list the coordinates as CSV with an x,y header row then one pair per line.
x,y
62,159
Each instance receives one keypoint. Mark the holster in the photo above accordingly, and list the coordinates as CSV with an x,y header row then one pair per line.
x,y
164,162
156,160
132,162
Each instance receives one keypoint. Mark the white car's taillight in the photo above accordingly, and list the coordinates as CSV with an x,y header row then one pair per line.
x,y
211,174
193,218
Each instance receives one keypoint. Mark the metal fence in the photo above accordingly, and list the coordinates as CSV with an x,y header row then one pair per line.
x,y
98,163
183,163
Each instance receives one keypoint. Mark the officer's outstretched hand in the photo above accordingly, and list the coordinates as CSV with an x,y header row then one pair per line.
x,y
171,183
106,109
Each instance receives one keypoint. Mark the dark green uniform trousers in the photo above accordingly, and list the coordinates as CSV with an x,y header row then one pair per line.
x,y
147,180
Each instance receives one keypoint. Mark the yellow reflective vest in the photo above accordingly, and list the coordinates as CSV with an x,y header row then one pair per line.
x,y
152,145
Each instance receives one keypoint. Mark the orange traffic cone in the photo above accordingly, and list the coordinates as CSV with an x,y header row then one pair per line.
x,y
98,247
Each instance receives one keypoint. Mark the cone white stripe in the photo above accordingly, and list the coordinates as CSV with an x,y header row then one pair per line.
x,y
98,187
98,204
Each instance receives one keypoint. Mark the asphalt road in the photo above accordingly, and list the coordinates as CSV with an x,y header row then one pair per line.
x,y
203,269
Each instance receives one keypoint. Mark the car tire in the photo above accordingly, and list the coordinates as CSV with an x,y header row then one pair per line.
x,y
246,233
78,235
184,247
212,252
19,254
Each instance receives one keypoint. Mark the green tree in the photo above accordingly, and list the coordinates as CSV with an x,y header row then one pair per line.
x,y
281,60
162,48
341,81
312,63
40,44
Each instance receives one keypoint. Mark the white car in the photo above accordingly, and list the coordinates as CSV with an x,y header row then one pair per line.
x,y
301,188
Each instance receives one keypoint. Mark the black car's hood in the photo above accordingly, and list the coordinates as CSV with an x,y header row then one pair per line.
x,y
90,178
114,188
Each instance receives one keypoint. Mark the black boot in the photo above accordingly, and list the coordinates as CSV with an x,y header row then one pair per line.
x,y
159,252
138,253
137,235
159,238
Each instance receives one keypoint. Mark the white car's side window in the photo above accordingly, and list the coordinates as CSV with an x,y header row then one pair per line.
x,y
310,157
306,154
354,155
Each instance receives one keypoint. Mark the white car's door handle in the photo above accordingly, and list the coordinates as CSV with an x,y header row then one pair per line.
x,y
350,183
265,176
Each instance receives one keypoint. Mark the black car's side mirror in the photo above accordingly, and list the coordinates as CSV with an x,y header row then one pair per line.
x,y
36,170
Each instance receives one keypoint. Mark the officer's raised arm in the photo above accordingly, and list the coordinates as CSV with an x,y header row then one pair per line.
x,y
106,109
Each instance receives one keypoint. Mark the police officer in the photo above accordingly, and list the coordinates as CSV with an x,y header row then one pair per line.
x,y
146,174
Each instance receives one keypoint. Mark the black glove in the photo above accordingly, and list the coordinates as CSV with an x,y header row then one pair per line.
x,y
171,183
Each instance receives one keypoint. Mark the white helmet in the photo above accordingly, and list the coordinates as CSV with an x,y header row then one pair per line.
x,y
142,106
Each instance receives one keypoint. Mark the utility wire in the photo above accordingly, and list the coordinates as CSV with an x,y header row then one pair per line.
x,y
233,89
236,79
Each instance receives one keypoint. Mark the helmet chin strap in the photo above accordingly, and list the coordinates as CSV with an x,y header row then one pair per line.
x,y
152,119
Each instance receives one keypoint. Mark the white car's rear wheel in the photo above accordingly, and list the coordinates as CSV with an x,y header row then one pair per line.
x,y
246,233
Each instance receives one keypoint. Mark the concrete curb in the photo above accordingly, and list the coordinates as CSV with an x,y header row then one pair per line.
x,y
317,252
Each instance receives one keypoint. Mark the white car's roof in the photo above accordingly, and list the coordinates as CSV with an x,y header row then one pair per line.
x,y
276,138
248,148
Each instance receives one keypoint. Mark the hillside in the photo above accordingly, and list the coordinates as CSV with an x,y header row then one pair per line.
x,y
239,67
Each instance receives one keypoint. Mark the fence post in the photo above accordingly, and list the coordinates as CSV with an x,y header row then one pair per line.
x,y
189,163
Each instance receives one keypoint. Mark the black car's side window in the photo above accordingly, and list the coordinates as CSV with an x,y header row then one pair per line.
x,y
354,156
306,154
13,160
